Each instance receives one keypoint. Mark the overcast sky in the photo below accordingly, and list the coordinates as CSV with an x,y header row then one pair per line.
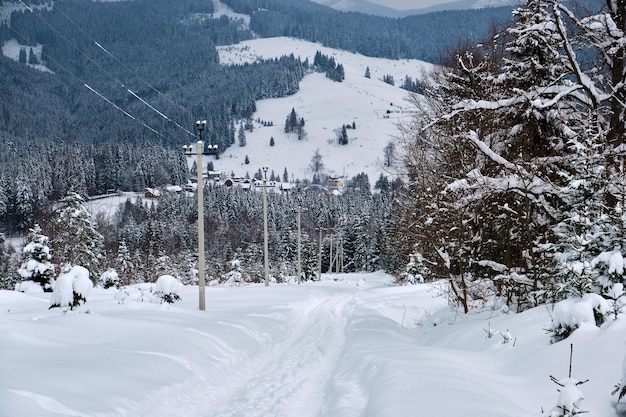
x,y
409,4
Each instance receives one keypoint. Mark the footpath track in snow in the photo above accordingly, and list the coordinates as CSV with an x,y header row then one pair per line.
x,y
297,372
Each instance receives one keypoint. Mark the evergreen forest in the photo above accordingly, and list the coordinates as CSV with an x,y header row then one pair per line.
x,y
514,185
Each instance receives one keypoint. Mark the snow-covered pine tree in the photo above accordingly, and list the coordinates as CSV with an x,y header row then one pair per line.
x,y
416,270
241,135
570,396
496,129
8,277
77,242
124,263
36,265
71,289
579,232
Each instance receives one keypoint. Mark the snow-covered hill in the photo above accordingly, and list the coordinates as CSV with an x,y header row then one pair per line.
x,y
350,345
373,106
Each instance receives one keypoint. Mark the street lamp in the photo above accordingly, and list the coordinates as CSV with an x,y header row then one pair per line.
x,y
200,125
265,249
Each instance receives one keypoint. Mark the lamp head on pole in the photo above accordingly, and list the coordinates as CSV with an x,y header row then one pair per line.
x,y
200,125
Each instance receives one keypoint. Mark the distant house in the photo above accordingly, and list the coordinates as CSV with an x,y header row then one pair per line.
x,y
151,193
285,187
334,183
214,175
173,188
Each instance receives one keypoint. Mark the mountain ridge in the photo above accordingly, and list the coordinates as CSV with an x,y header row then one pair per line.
x,y
364,6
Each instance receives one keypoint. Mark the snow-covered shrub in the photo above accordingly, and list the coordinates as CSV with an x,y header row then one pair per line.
x,y
620,389
415,271
506,336
71,288
110,278
29,287
570,397
166,289
610,267
614,294
121,295
235,275
570,314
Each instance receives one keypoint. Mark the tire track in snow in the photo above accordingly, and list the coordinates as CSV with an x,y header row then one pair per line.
x,y
294,381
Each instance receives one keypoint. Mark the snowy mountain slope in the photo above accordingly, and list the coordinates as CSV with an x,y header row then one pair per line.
x,y
362,7
383,8
374,106
349,345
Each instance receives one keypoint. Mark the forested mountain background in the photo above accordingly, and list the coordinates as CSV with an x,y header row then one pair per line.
x,y
170,47
127,78
115,92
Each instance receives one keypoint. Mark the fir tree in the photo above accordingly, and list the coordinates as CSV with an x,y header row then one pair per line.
x,y
291,124
124,263
32,58
343,136
317,164
36,264
77,242
367,72
580,228
242,136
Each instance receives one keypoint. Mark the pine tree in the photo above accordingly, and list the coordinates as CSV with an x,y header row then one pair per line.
x,y
343,136
124,263
7,278
580,228
77,242
32,58
367,72
291,124
36,264
389,153
317,164
242,136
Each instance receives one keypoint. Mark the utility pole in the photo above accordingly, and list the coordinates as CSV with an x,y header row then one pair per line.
x,y
299,251
212,150
330,256
200,125
319,256
265,246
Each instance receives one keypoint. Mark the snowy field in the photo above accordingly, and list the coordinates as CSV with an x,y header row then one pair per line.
x,y
350,345
374,106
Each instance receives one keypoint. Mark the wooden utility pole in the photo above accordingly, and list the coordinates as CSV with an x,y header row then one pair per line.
x,y
265,238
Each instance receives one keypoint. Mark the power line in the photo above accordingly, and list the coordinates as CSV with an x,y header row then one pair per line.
x,y
90,59
126,113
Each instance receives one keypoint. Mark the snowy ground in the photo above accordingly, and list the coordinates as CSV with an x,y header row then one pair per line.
x,y
375,107
348,346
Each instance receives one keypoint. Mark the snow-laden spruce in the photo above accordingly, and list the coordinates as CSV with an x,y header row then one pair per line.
x,y
71,288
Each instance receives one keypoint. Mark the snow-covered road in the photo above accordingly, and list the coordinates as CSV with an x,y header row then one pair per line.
x,y
293,380
349,346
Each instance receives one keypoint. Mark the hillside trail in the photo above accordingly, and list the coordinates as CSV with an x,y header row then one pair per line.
x,y
293,380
